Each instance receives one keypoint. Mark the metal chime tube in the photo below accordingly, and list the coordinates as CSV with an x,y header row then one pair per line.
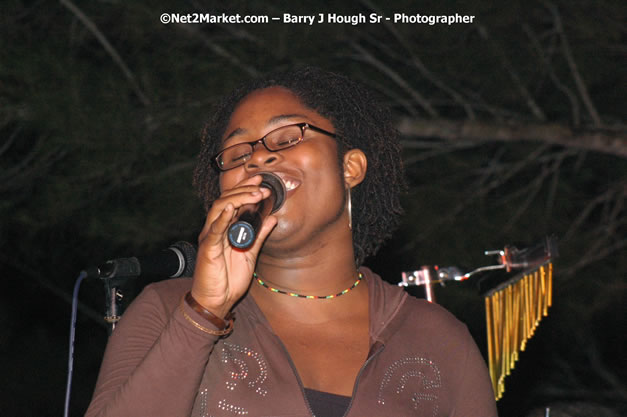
x,y
513,312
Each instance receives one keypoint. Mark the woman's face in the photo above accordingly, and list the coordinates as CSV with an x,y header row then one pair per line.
x,y
314,203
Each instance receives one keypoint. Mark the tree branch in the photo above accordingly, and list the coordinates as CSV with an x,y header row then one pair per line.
x,y
91,26
608,142
522,89
560,86
418,64
568,55
220,50
367,57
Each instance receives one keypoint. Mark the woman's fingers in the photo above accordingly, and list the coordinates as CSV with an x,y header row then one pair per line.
x,y
217,228
234,201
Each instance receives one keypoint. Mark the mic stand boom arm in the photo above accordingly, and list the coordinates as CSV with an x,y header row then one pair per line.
x,y
510,258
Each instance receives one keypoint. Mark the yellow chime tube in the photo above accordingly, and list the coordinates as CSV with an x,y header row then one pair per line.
x,y
512,315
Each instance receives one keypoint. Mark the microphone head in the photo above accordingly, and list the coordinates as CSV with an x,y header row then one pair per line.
x,y
276,185
243,232
186,253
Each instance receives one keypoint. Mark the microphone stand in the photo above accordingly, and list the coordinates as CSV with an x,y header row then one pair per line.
x,y
113,303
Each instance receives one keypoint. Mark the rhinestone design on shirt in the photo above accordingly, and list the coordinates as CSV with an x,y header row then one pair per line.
x,y
244,359
202,400
245,368
417,375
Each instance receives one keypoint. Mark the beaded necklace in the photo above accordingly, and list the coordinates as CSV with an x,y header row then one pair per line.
x,y
319,297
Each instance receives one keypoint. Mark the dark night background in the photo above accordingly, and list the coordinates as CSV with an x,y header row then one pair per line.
x,y
513,128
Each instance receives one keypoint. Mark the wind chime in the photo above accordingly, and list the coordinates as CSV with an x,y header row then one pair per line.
x,y
513,308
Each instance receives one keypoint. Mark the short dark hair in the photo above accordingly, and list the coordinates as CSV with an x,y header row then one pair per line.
x,y
360,122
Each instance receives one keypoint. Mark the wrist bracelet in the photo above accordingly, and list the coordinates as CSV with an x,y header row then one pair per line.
x,y
223,326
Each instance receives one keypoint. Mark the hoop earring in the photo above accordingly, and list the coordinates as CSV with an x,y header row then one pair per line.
x,y
350,209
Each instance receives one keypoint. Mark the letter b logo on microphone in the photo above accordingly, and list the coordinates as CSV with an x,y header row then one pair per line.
x,y
241,235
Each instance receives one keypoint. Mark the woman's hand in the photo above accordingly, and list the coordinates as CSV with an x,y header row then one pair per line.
x,y
223,273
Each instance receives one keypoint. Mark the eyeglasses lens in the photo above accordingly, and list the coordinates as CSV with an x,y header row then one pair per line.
x,y
275,141
284,137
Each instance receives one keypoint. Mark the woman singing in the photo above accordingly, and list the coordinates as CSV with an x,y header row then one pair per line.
x,y
294,325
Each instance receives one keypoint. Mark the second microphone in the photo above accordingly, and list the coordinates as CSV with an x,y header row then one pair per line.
x,y
243,231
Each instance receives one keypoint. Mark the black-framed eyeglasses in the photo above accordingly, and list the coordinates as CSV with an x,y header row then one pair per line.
x,y
277,140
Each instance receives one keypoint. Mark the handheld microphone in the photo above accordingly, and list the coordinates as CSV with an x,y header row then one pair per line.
x,y
176,261
244,230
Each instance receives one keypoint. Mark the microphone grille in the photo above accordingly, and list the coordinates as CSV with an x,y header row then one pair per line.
x,y
275,184
188,251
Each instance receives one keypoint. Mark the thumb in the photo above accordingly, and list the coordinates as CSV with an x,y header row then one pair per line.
x,y
266,227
